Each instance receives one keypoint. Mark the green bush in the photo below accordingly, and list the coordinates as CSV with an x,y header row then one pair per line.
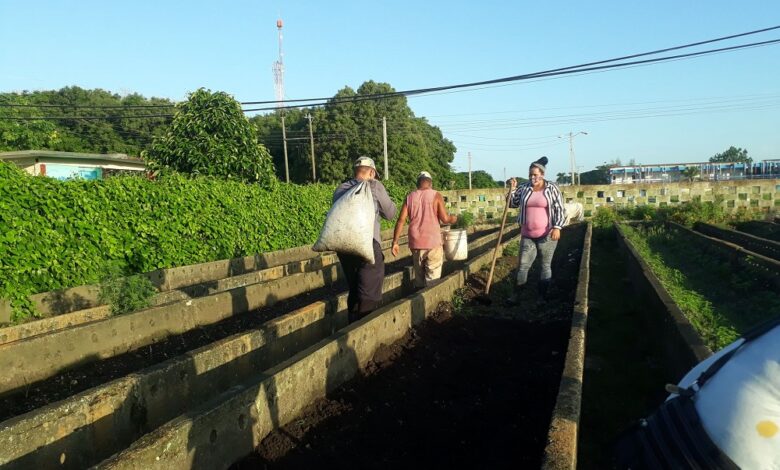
x,y
55,235
605,216
125,294
465,220
511,249
210,136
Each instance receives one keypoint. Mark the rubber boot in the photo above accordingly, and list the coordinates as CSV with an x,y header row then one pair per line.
x,y
544,288
514,299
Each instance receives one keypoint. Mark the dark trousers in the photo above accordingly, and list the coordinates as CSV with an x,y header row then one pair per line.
x,y
365,282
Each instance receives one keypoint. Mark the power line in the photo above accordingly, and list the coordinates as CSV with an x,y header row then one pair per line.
x,y
590,66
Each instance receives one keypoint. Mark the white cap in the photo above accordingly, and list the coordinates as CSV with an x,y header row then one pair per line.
x,y
424,174
366,161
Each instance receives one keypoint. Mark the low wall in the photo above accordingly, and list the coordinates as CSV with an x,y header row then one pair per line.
x,y
681,345
561,450
234,423
762,246
37,358
751,194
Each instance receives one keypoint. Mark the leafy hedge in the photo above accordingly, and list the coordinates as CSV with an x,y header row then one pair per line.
x,y
56,234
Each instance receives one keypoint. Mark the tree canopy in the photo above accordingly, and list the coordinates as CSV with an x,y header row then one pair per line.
x,y
211,136
343,131
733,154
109,128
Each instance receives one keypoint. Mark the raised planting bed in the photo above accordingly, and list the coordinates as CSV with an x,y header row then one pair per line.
x,y
475,387
768,230
229,426
97,416
719,294
758,245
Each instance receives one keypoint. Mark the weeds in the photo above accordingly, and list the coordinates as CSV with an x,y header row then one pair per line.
x,y
512,249
125,294
719,301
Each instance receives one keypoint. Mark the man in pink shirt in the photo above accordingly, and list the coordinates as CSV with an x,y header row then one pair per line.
x,y
425,209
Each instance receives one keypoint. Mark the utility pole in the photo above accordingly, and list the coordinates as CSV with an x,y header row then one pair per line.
x,y
572,162
469,170
311,144
284,143
504,177
384,138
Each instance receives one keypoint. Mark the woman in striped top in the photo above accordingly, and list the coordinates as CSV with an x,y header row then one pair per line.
x,y
542,216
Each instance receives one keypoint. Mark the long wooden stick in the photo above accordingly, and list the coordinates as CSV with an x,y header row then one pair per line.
x,y
498,245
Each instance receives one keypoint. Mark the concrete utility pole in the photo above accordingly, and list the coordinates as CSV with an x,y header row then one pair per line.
x,y
284,143
384,138
469,170
311,144
572,162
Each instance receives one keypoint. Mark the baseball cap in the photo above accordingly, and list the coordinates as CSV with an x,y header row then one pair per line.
x,y
366,161
424,174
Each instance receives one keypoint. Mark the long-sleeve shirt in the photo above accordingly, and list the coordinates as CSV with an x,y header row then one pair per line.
x,y
520,196
384,206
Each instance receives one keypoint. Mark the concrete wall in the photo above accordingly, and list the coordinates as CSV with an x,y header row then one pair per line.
x,y
232,425
561,450
752,194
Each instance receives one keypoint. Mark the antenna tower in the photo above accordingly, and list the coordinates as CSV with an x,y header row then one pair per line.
x,y
278,68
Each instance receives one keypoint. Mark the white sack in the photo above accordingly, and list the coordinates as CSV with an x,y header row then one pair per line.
x,y
740,405
574,213
349,225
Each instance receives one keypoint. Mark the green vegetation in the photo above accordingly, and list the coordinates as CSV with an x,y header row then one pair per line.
x,y
55,235
686,214
732,154
512,249
125,294
210,136
342,132
110,135
465,220
719,300
345,130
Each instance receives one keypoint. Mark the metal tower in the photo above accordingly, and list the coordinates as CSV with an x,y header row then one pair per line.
x,y
278,68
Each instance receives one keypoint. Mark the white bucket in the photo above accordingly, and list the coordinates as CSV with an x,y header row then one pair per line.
x,y
456,245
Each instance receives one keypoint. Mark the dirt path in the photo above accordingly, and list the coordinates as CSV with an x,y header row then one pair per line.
x,y
474,389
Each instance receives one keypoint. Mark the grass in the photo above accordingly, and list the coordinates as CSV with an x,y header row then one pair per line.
x,y
720,301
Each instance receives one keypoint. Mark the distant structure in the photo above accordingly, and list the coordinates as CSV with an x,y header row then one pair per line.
x,y
702,171
278,68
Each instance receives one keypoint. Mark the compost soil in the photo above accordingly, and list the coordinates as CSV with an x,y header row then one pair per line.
x,y
474,386
82,378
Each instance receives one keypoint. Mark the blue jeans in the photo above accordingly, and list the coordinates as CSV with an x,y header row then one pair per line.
x,y
528,249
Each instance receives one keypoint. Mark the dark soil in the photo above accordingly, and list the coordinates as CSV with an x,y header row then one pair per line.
x,y
92,374
472,387
95,373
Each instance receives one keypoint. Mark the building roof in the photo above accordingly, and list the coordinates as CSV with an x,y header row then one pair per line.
x,y
118,160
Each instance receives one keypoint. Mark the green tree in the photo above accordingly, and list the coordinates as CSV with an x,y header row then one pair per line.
x,y
108,130
563,178
345,129
690,173
211,136
733,154
480,179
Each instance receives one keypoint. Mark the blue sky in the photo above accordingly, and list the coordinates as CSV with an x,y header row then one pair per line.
x,y
680,111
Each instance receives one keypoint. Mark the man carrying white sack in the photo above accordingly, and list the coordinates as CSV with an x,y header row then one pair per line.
x,y
365,279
